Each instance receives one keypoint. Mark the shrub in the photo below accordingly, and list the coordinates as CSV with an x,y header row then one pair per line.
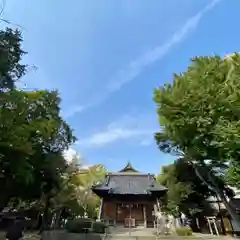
x,y
77,225
98,227
184,231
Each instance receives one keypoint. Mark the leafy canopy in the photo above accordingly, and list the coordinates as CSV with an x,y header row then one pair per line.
x,y
199,112
11,53
32,133
186,192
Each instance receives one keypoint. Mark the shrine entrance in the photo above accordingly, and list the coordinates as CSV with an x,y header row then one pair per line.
x,y
129,198
131,214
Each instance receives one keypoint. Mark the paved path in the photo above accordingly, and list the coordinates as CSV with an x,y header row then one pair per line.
x,y
123,234
119,233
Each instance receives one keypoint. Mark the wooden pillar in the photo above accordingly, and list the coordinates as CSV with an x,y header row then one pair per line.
x,y
144,216
116,213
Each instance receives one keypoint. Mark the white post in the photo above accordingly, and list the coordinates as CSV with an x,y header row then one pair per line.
x,y
158,205
215,226
100,210
144,216
210,227
197,222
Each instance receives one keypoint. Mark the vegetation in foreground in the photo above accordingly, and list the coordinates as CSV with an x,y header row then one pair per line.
x,y
199,117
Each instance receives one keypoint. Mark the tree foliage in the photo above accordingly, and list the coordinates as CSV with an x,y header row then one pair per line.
x,y
233,175
33,135
84,181
187,192
199,112
11,53
76,196
32,138
199,118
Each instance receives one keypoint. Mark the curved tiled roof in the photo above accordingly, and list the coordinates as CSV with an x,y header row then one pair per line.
x,y
129,181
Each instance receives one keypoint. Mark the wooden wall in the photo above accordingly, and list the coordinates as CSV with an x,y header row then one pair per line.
x,y
109,211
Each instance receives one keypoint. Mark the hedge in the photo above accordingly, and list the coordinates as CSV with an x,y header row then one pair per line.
x,y
78,225
98,227
184,231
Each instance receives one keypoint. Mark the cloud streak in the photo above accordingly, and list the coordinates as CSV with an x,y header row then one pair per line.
x,y
123,129
147,142
72,111
136,67
109,136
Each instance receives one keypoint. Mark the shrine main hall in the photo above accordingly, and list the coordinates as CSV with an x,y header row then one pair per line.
x,y
129,198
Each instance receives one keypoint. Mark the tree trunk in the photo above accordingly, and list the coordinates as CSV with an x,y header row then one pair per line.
x,y
53,222
45,213
58,218
220,194
37,221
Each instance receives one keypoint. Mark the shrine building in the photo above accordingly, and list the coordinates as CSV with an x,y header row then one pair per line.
x,y
129,198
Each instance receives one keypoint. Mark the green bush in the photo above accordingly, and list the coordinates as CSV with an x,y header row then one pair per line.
x,y
98,227
77,225
184,231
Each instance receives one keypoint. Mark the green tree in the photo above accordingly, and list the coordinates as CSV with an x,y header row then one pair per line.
x,y
186,192
76,195
11,52
85,180
31,136
233,175
32,133
66,198
177,191
199,117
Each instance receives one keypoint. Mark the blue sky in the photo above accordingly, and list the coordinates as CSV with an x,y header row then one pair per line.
x,y
106,57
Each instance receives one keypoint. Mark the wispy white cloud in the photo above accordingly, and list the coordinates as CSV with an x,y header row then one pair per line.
x,y
111,135
147,142
72,110
136,66
125,128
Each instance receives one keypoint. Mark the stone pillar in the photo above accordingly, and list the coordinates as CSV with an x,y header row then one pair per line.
x,y
144,216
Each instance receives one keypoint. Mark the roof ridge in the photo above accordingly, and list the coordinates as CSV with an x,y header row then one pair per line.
x,y
129,168
130,174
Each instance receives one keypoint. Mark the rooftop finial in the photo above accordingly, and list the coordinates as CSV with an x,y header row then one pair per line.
x,y
128,168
